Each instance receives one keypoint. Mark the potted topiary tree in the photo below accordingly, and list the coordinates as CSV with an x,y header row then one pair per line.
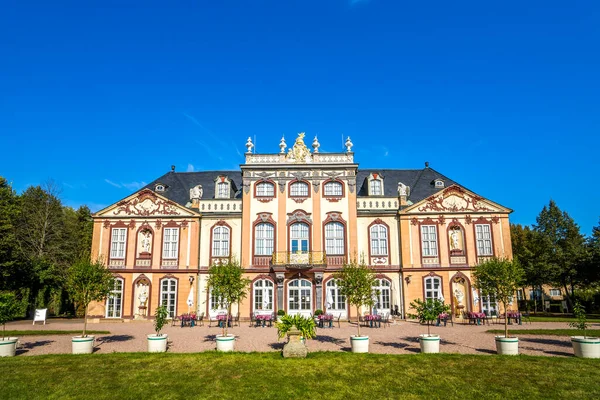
x,y
298,329
10,308
87,281
426,312
355,282
157,342
228,284
501,278
583,346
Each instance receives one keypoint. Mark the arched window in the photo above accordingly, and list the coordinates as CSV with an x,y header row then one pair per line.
x,y
263,237
379,240
168,295
299,237
335,302
334,189
299,189
114,301
220,244
382,295
215,305
433,287
334,238
263,296
265,189
375,187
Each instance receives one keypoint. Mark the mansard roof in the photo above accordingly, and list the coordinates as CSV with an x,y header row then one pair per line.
x,y
421,182
178,184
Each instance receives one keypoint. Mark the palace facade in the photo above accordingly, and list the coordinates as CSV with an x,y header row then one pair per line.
x,y
292,219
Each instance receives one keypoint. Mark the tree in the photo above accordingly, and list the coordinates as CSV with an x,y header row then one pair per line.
x,y
355,282
9,246
428,311
89,281
562,247
227,283
526,251
500,278
10,308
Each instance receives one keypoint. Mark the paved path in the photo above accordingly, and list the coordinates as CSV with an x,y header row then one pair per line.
x,y
399,338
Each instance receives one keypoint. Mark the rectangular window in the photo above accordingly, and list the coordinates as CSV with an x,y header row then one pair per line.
x,y
432,288
223,190
375,187
484,240
170,242
554,292
429,240
334,238
117,245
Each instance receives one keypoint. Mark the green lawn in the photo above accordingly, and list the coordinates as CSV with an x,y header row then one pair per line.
x,y
560,319
552,332
47,333
211,375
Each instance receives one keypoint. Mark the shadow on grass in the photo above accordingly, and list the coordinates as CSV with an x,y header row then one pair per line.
x,y
329,339
114,339
559,353
25,347
554,342
486,351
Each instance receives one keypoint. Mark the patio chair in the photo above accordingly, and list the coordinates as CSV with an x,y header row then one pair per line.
x,y
526,317
338,319
386,320
175,320
200,319
236,320
501,317
450,319
252,320
212,319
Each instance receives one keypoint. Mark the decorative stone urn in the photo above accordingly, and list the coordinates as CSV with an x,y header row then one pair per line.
x,y
295,347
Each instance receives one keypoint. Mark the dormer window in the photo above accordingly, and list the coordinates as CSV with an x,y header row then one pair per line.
x,y
438,183
159,187
375,184
222,188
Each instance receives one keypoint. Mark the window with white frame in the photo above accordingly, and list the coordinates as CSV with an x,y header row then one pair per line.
x,y
489,305
114,300
220,242
299,237
382,294
118,242
222,190
429,240
554,292
333,189
168,295
379,240
263,296
265,189
433,285
170,242
334,238
215,304
375,187
334,299
299,189
263,238
483,236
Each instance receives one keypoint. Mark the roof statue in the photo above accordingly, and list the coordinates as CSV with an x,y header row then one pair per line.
x,y
299,153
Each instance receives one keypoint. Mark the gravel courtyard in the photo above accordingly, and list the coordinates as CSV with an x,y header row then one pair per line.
x,y
399,338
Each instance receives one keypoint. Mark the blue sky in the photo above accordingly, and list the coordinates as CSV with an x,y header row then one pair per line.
x,y
503,98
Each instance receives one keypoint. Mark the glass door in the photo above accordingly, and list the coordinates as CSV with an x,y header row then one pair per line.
x,y
114,301
300,297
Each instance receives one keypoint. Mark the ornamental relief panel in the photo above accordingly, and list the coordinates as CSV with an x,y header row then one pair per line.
x,y
147,204
455,199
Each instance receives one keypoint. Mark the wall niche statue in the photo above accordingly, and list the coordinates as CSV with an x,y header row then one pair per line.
x,y
145,243
456,239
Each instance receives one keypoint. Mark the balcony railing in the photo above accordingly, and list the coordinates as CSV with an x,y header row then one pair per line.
x,y
298,259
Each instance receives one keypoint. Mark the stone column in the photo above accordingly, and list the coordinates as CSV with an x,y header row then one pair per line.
x,y
280,276
319,282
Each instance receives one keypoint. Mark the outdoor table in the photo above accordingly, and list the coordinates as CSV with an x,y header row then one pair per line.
x,y
325,318
222,318
374,320
479,316
263,319
514,315
188,320
442,317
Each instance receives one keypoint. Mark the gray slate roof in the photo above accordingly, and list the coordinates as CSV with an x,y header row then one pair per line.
x,y
178,184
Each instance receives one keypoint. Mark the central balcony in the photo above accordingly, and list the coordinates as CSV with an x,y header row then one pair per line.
x,y
299,259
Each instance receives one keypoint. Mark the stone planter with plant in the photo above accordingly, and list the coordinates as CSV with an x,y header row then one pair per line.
x,y
501,278
88,281
355,282
280,313
583,346
298,329
10,308
229,286
157,342
427,312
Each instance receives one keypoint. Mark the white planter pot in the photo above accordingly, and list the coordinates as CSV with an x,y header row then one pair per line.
x,y
157,344
83,345
507,345
430,343
359,344
8,347
586,347
225,343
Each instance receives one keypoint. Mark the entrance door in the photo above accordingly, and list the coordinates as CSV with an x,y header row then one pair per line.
x,y
300,297
335,302
114,301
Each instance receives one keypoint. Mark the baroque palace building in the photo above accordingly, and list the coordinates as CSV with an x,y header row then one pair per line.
x,y
292,219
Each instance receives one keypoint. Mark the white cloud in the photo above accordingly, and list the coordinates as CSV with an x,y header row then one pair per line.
x,y
134,185
190,168
112,183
